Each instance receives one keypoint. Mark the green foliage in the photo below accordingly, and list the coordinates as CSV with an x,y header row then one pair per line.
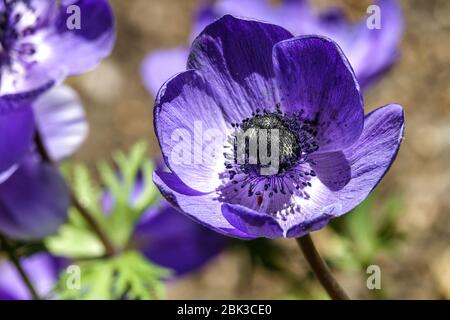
x,y
125,192
366,232
118,191
358,239
308,293
127,276
264,253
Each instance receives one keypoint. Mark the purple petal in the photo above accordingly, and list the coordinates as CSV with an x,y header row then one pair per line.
x,y
184,111
44,47
8,173
370,51
315,78
61,121
93,41
309,226
34,201
170,239
201,207
17,127
382,49
367,161
30,81
238,66
251,222
160,65
42,270
16,132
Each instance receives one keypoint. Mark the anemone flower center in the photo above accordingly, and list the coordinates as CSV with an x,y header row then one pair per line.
x,y
269,162
17,22
268,141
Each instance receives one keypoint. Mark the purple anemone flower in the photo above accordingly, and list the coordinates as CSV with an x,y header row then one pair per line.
x,y
34,199
43,272
37,41
253,77
43,41
371,52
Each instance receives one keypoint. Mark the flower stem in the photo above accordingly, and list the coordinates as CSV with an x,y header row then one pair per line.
x,y
84,212
87,216
15,261
320,268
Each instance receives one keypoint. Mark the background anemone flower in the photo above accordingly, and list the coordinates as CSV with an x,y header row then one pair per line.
x,y
34,201
38,38
42,270
247,75
169,239
371,52
33,196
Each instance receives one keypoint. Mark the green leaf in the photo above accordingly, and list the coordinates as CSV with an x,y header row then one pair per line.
x,y
360,225
75,242
150,193
366,231
129,166
86,190
96,278
75,239
129,275
142,278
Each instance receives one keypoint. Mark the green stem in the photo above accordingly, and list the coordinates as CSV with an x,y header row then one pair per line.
x,y
9,249
83,211
320,268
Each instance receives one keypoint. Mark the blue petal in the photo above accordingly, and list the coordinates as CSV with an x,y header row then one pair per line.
x,y
251,222
201,207
16,134
34,201
61,121
42,270
170,239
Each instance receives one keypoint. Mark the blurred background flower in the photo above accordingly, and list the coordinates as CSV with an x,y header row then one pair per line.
x,y
34,199
38,47
371,52
171,240
43,270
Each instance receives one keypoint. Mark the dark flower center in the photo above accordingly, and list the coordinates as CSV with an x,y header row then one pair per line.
x,y
269,162
272,141
14,46
271,131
